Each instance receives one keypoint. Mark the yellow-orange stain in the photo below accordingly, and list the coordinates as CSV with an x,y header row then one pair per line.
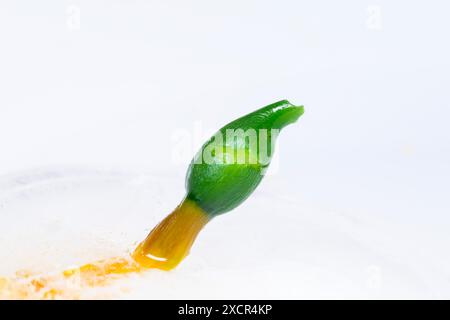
x,y
164,248
69,283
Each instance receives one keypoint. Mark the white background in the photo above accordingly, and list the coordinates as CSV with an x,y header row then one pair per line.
x,y
111,83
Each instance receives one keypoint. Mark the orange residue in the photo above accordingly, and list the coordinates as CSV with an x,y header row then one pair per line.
x,y
68,284
164,248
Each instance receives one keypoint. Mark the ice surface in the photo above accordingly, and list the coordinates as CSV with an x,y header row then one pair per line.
x,y
271,247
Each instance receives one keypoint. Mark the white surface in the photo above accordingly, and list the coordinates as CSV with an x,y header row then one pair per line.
x,y
276,247
115,91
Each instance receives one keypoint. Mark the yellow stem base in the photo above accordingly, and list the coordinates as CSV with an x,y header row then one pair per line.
x,y
170,241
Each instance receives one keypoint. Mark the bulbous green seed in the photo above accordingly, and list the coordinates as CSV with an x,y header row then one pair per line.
x,y
224,173
217,179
